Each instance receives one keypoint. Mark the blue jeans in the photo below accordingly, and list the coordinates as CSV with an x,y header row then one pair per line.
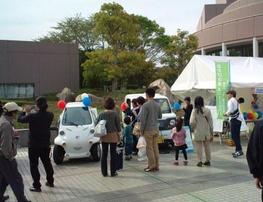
x,y
128,148
235,126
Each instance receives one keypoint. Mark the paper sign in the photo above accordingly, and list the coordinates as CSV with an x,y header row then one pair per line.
x,y
188,140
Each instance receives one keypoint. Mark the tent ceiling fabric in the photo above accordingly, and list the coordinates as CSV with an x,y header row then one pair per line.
x,y
199,74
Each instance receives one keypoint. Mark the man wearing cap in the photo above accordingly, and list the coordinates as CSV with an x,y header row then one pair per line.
x,y
39,141
235,121
9,174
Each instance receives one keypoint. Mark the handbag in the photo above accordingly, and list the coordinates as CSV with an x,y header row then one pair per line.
x,y
100,129
211,131
141,143
137,129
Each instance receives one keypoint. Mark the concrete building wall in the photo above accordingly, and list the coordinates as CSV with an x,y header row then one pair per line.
x,y
240,22
50,67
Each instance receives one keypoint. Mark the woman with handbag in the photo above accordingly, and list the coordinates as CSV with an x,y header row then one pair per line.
x,y
113,128
202,126
136,123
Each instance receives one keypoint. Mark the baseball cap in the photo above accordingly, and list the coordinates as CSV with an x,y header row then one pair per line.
x,y
11,107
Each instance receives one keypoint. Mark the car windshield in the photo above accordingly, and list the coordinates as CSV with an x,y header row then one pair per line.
x,y
75,116
165,107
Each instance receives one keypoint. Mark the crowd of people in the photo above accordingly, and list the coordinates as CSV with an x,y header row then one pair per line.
x,y
141,115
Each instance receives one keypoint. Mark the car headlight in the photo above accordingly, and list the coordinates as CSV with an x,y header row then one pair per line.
x,y
62,132
172,122
92,131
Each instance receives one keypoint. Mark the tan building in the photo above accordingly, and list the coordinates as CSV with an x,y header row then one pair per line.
x,y
231,28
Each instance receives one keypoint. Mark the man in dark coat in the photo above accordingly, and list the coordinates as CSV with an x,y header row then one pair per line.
x,y
255,155
188,110
39,141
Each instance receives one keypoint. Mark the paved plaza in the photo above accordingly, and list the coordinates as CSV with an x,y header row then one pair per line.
x,y
80,180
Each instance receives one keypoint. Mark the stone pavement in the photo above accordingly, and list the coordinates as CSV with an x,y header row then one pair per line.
x,y
228,180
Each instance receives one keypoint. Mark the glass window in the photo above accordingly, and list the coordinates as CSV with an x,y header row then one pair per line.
x,y
217,52
14,91
260,51
75,116
244,50
165,107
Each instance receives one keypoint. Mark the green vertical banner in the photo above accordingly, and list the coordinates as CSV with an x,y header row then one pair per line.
x,y
222,86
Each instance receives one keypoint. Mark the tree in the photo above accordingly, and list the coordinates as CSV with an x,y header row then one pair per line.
x,y
94,68
180,50
152,39
74,30
103,66
121,32
119,29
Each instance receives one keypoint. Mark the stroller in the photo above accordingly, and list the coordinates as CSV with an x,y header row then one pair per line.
x,y
119,160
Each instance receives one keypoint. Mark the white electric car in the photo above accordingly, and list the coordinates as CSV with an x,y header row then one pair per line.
x,y
76,134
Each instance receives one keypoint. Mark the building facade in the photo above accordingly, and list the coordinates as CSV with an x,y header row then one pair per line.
x,y
231,28
29,69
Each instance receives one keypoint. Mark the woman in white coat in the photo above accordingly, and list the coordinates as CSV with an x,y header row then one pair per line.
x,y
202,126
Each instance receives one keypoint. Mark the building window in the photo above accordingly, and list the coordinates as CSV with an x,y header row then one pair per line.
x,y
217,52
244,50
260,49
14,91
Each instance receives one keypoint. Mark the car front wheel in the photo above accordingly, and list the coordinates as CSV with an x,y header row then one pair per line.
x,y
95,152
58,154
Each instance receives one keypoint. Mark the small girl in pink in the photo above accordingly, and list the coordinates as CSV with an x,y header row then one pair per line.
x,y
178,136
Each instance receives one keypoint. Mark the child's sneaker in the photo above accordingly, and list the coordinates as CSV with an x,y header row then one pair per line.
x,y
185,163
176,163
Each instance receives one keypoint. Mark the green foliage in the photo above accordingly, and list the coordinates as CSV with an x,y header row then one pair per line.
x,y
123,60
94,68
180,50
153,39
124,49
103,66
74,30
119,29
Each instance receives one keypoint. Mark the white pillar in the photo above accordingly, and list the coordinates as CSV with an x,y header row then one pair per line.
x,y
255,47
224,49
202,51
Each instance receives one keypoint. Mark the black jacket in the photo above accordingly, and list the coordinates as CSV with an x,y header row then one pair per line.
x,y
255,151
39,128
187,115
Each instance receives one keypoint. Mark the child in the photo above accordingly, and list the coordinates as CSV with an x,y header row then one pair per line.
x,y
128,138
178,136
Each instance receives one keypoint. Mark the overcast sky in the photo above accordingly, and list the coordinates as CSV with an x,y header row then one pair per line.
x,y
30,19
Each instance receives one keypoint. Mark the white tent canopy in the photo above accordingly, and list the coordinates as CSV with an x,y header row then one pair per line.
x,y
199,74
199,78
